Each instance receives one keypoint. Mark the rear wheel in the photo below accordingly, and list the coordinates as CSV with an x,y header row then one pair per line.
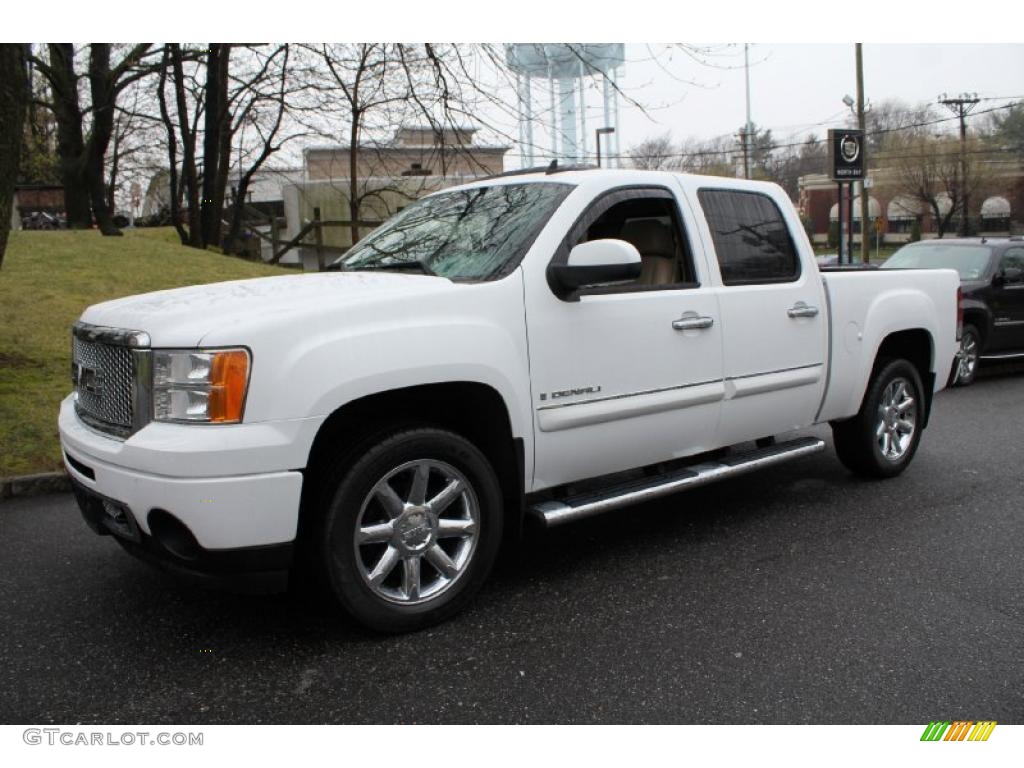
x,y
411,529
880,441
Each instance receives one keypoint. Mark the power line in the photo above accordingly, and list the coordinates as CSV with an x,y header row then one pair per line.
x,y
773,147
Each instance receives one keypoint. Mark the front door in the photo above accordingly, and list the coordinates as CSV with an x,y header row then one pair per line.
x,y
1008,305
628,375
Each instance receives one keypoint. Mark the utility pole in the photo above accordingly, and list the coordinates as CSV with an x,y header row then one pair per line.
x,y
748,126
865,250
961,106
746,154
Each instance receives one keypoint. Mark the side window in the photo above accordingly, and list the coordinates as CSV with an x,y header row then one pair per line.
x,y
1013,258
751,238
652,225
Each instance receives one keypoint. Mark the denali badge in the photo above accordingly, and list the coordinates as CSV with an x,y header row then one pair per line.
x,y
570,392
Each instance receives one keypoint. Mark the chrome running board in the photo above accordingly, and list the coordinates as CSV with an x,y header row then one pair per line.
x,y
556,512
1002,356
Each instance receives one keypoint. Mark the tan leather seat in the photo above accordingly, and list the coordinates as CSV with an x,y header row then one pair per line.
x,y
657,250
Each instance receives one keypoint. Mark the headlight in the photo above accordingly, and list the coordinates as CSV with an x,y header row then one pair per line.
x,y
200,385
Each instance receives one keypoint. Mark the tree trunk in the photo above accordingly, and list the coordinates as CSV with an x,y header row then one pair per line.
x,y
13,97
172,148
101,88
214,165
190,175
70,144
353,177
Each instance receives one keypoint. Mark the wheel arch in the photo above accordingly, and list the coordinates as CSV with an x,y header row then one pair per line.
x,y
917,346
474,410
978,315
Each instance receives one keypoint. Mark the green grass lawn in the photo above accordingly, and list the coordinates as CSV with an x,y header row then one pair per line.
x,y
47,279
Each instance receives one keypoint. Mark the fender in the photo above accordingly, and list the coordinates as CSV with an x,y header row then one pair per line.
x,y
974,308
891,312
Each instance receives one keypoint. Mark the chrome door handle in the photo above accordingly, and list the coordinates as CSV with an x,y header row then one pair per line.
x,y
693,323
800,309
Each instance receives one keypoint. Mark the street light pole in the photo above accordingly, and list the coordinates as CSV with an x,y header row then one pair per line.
x,y
865,248
597,141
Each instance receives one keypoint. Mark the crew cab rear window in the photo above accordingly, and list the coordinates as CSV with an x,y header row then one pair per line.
x,y
751,238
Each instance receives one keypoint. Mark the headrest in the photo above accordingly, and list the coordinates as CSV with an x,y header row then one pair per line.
x,y
650,237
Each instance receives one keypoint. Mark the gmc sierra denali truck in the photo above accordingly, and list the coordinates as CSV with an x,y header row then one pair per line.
x,y
546,345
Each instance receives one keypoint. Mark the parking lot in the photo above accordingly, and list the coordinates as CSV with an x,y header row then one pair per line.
x,y
797,595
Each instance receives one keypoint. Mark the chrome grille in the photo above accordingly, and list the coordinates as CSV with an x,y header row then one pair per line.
x,y
105,372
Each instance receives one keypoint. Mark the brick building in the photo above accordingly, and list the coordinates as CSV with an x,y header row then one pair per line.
x,y
418,160
1001,212
37,198
414,151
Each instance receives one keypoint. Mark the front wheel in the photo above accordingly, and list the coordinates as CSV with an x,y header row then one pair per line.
x,y
880,441
411,529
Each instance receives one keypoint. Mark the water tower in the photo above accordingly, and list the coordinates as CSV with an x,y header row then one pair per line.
x,y
566,67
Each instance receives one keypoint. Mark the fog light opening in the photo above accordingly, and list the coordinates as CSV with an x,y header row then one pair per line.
x,y
173,535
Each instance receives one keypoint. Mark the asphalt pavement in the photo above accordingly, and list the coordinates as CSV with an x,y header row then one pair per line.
x,y
797,595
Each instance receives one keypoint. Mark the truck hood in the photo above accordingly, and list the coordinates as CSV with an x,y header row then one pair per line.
x,y
183,316
971,286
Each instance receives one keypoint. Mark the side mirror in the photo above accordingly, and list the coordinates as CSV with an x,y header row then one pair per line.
x,y
1011,275
598,262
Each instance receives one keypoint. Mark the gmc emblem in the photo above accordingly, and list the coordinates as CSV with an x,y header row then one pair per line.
x,y
86,379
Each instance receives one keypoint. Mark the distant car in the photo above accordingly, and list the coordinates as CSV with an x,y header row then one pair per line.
x,y
992,280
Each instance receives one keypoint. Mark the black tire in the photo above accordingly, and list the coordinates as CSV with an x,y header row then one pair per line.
x,y
965,369
859,441
351,502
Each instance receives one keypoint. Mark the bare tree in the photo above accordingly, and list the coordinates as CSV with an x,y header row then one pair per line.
x,y
224,89
13,93
927,170
894,120
658,153
374,88
136,148
795,160
84,131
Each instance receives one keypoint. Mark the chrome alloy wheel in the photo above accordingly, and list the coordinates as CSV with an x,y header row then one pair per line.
x,y
897,420
416,532
968,357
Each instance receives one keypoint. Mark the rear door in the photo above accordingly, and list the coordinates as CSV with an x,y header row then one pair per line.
x,y
773,310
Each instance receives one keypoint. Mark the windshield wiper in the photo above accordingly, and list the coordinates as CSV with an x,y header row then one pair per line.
x,y
396,266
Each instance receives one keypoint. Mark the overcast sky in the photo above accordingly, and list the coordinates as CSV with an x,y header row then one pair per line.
x,y
799,88
795,89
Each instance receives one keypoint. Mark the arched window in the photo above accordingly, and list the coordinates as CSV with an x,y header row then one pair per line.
x,y
901,213
995,215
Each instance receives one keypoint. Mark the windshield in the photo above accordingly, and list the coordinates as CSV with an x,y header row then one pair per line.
x,y
467,234
969,260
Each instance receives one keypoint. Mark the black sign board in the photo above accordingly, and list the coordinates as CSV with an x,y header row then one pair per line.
x,y
846,154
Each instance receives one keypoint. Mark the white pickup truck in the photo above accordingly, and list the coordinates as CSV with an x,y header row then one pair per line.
x,y
536,345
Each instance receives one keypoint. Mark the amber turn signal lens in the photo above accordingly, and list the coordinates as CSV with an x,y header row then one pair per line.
x,y
229,377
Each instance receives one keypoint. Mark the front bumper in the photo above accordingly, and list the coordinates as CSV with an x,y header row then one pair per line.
x,y
262,568
222,513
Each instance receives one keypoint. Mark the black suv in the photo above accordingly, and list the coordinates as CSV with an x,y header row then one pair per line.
x,y
992,279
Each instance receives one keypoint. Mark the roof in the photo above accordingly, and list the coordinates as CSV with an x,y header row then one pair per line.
x,y
597,178
969,241
415,149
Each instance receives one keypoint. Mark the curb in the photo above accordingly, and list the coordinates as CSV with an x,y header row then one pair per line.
x,y
34,485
